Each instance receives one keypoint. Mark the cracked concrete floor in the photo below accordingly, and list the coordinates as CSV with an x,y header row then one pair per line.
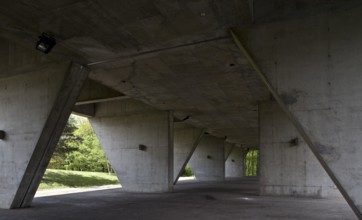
x,y
232,199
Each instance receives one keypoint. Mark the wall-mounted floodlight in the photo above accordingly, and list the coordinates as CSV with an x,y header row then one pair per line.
x,y
45,43
2,135
208,157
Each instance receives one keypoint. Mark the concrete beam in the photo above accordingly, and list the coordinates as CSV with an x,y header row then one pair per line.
x,y
318,87
185,143
251,9
94,92
138,141
208,162
88,110
39,104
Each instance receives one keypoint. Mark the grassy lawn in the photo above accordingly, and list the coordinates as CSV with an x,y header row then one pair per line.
x,y
69,179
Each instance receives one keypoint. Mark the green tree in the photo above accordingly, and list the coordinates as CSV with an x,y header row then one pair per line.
x,y
251,163
90,155
68,142
187,171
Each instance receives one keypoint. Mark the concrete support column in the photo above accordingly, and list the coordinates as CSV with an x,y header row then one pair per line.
x,y
234,164
138,141
34,108
208,160
186,140
228,147
287,165
312,68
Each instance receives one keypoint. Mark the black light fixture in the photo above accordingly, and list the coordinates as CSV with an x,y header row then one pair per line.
x,y
2,135
142,147
46,43
294,142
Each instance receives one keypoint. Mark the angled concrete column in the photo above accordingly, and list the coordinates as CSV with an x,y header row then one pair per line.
x,y
34,107
312,66
208,160
138,141
228,147
234,164
287,165
186,140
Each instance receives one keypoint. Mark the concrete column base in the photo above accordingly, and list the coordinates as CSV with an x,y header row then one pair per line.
x,y
208,160
138,142
287,166
34,109
186,140
234,164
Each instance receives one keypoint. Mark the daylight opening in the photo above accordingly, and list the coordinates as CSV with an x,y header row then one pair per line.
x,y
252,162
78,160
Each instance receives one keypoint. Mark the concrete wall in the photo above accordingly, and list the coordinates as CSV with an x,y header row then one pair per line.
x,y
29,86
122,126
234,164
314,62
186,139
212,168
26,101
286,169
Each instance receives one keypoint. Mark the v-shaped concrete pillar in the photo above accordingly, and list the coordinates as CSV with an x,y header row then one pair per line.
x,y
186,140
312,66
34,107
208,160
287,165
138,141
234,161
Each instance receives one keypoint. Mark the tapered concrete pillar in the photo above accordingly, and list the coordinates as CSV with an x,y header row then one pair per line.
x,y
36,99
234,164
186,140
287,165
312,66
208,160
138,141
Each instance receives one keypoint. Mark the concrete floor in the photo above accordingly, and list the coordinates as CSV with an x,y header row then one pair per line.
x,y
233,199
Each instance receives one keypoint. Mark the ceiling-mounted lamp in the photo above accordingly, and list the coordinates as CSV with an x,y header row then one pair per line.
x,y
46,43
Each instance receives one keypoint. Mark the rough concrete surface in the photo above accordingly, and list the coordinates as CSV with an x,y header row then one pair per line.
x,y
207,162
323,74
231,200
122,128
288,168
26,101
234,165
186,139
177,55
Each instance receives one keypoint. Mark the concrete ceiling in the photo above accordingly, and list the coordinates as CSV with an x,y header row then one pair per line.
x,y
170,54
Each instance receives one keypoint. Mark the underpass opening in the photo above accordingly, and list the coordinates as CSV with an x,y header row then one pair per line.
x,y
77,162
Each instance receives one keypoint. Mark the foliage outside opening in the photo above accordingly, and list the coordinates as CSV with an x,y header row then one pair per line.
x,y
252,163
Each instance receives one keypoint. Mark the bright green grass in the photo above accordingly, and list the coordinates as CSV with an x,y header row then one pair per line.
x,y
68,179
